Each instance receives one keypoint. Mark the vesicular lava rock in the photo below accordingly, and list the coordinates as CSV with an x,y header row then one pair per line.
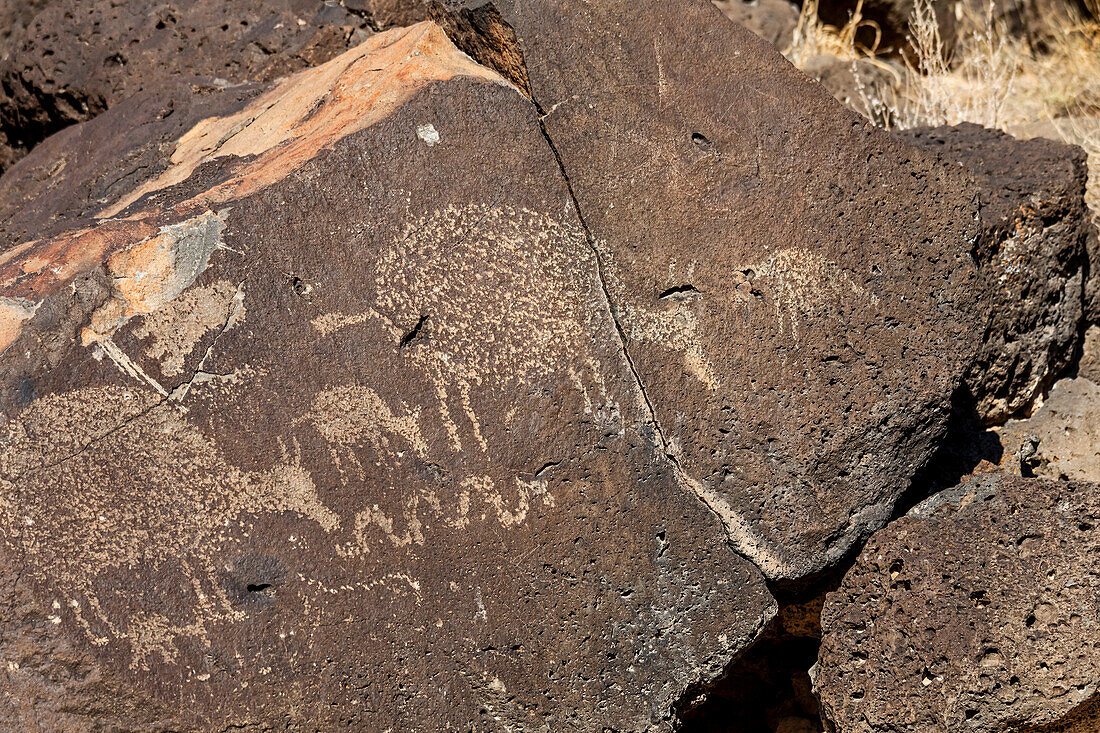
x,y
417,392
794,287
979,611
1032,253
322,417
76,58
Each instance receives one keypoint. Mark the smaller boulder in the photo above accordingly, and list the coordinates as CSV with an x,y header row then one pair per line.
x,y
1083,131
1061,440
978,611
772,20
1089,364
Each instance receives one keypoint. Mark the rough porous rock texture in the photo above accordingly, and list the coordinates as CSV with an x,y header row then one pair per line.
x,y
979,611
1061,438
1088,366
380,14
1032,254
324,422
793,286
1075,131
48,81
483,374
15,15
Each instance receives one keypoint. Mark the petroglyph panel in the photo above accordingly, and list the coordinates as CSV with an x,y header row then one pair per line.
x,y
140,490
505,290
795,288
339,414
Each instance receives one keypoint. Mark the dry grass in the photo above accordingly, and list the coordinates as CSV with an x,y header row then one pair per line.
x,y
997,80
975,82
1093,8
987,76
814,38
1062,88
993,78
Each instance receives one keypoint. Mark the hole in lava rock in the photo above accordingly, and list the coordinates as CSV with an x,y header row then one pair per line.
x,y
766,691
300,287
680,292
701,141
414,332
895,569
251,579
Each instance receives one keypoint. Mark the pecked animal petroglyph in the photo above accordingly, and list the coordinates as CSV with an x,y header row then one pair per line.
x,y
495,295
156,503
799,283
175,506
674,327
803,283
192,504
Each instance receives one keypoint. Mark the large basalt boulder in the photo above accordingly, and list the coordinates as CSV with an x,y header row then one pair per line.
x,y
794,287
75,58
1032,253
316,415
979,611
